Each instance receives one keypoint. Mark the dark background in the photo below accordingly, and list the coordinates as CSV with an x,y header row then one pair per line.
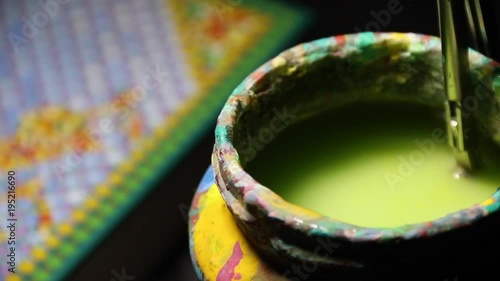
x,y
152,244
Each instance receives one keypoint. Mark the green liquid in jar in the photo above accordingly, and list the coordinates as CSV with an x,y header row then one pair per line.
x,y
362,165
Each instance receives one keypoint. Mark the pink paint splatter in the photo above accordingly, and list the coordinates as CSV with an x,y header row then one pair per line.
x,y
227,272
340,40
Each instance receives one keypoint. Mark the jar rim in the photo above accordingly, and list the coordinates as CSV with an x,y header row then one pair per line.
x,y
255,206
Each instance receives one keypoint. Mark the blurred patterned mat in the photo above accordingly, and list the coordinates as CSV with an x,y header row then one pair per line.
x,y
99,98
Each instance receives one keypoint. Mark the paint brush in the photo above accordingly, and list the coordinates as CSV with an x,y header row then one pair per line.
x,y
461,23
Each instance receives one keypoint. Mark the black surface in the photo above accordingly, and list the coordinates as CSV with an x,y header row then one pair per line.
x,y
152,243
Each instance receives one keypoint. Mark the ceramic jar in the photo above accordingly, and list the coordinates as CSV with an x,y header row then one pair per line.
x,y
241,230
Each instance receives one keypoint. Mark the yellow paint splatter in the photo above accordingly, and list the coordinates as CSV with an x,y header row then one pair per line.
x,y
215,235
65,229
13,277
39,254
26,267
53,242
488,202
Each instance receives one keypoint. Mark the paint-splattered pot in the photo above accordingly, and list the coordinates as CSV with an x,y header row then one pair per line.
x,y
241,230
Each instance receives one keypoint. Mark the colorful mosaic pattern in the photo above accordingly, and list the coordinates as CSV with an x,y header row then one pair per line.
x,y
93,92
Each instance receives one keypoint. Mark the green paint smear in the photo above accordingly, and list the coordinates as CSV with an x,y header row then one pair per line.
x,y
341,164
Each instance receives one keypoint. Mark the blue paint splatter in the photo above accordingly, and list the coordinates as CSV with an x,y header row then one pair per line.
x,y
207,181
